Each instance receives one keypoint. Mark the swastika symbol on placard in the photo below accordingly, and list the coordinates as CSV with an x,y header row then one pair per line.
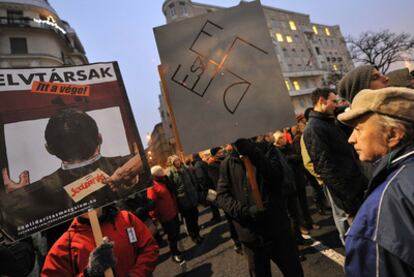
x,y
210,66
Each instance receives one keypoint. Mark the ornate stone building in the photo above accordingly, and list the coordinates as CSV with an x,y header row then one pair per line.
x,y
32,35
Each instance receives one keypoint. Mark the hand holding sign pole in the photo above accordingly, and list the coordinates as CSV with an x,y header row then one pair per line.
x,y
97,234
251,177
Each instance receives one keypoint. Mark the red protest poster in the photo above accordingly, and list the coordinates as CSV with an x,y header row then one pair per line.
x,y
67,139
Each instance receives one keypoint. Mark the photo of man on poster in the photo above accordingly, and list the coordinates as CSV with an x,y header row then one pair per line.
x,y
85,178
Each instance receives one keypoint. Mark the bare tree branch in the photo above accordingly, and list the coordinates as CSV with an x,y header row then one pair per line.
x,y
381,48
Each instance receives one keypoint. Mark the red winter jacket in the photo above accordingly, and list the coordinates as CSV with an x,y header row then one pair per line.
x,y
70,254
165,203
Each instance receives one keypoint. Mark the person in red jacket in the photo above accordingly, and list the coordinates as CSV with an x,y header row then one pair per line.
x,y
166,210
128,248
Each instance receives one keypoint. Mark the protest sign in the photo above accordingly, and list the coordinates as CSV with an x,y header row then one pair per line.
x,y
64,131
223,77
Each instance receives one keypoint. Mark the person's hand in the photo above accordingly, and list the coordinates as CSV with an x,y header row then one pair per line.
x,y
127,174
10,185
101,258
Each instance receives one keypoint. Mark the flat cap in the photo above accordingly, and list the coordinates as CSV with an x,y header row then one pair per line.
x,y
395,102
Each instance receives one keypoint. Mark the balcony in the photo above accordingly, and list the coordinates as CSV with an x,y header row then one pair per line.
x,y
28,22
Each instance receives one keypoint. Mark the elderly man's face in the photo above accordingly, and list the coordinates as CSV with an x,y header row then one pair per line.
x,y
369,139
378,81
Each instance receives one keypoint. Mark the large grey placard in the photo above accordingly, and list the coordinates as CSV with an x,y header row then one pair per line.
x,y
223,77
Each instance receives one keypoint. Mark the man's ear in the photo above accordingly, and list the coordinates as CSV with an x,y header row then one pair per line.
x,y
395,136
49,149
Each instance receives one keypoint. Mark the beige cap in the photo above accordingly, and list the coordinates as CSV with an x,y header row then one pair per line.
x,y
391,101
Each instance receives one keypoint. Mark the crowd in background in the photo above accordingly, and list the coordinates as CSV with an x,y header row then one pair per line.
x,y
350,150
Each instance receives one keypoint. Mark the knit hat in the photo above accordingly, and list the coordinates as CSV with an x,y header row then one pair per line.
x,y
171,159
157,171
399,78
355,81
391,101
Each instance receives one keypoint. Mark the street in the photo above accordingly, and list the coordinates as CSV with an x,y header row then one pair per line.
x,y
216,257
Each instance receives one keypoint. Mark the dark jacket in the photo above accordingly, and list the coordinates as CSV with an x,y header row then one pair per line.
x,y
380,240
203,178
234,195
334,161
214,171
139,205
186,187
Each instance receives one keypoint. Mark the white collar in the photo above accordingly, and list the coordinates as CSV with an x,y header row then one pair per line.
x,y
81,164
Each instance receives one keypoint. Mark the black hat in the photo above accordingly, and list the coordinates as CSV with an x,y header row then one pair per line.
x,y
213,151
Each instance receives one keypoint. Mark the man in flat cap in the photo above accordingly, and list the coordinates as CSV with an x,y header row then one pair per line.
x,y
380,241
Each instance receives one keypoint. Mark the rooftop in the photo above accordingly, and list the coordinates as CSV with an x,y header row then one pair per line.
x,y
37,3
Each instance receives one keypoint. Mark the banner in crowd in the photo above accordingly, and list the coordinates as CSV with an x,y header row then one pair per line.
x,y
64,133
223,77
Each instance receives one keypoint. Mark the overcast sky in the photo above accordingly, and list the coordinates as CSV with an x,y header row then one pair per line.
x,y
122,31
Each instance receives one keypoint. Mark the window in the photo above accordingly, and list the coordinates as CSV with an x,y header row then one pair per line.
x,y
287,85
14,17
289,39
183,8
292,25
296,85
317,50
279,37
294,50
339,59
315,29
18,46
327,32
328,59
173,12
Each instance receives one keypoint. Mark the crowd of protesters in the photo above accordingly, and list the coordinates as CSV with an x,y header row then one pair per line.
x,y
354,149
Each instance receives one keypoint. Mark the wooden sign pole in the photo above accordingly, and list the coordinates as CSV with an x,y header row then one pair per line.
x,y
97,234
178,146
251,176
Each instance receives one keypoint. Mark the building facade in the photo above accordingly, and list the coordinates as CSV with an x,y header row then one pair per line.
x,y
33,35
159,148
310,54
